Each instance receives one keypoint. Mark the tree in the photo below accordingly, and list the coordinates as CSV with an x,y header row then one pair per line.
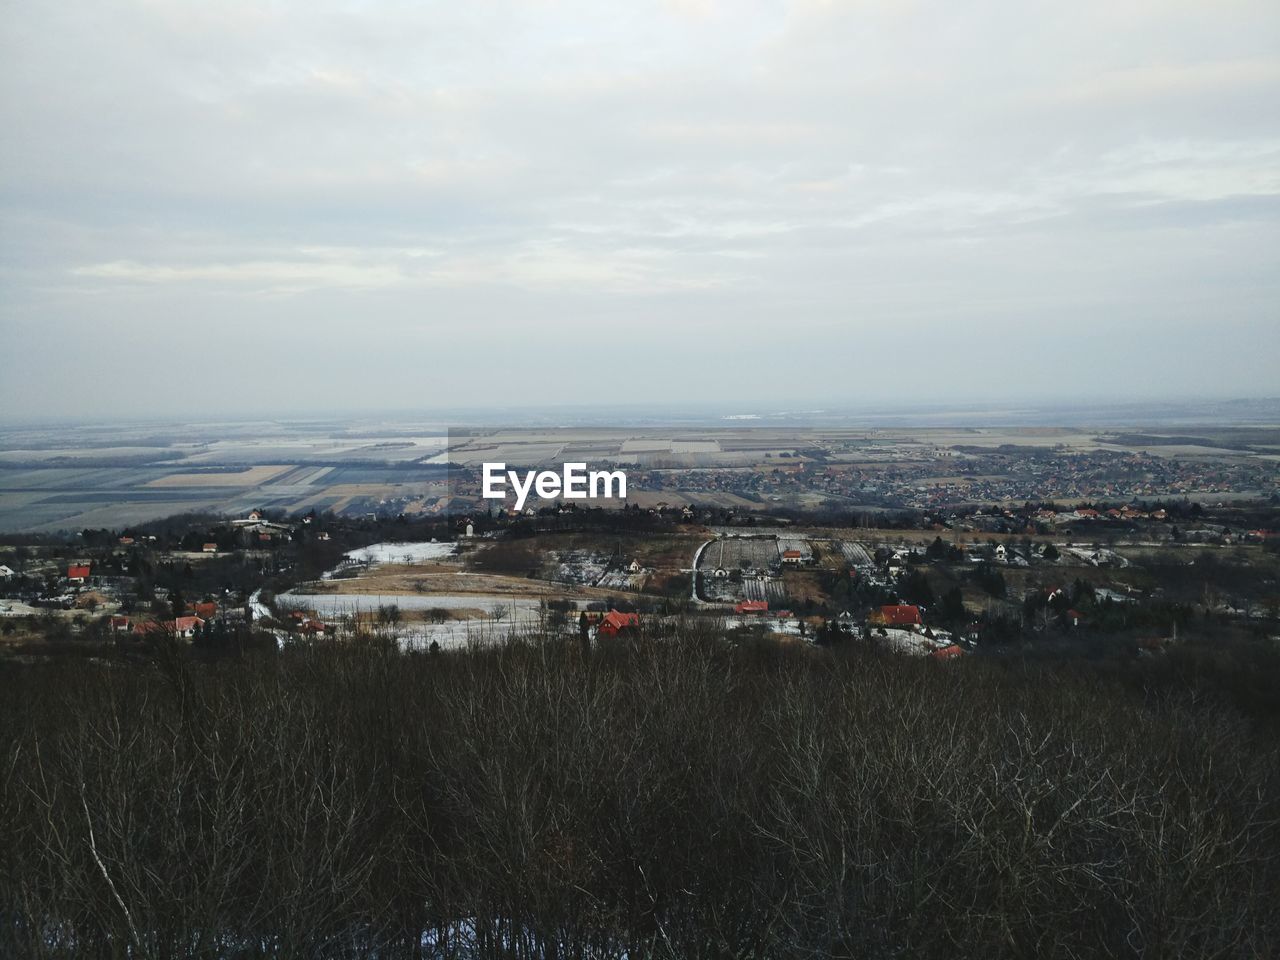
x,y
952,609
916,589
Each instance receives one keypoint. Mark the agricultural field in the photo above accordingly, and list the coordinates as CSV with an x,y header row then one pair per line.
x,y
67,478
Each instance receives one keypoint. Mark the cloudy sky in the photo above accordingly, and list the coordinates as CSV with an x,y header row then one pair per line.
x,y
231,207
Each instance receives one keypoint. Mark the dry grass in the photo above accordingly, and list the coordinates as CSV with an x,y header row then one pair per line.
x,y
428,578
249,477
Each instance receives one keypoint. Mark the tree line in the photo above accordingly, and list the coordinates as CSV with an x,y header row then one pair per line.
x,y
664,796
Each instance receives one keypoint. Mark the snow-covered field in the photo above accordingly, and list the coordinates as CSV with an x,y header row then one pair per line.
x,y
342,604
772,624
503,615
459,633
402,552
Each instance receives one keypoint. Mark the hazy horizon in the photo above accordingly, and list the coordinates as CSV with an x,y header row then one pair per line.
x,y
234,209
1177,413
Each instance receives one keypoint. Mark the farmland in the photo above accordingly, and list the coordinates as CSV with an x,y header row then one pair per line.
x,y
64,478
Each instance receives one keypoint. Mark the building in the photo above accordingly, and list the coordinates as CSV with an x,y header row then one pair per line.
x,y
794,557
185,627
752,607
210,548
896,615
614,623
78,572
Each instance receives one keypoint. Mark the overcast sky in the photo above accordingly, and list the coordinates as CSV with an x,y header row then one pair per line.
x,y
247,207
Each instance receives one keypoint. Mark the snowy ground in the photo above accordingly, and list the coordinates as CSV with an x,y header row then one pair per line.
x,y
772,624
402,552
461,633
503,615
911,643
342,604
392,553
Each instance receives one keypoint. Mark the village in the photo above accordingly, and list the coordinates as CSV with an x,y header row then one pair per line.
x,y
942,584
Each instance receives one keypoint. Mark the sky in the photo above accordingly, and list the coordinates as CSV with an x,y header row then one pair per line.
x,y
258,207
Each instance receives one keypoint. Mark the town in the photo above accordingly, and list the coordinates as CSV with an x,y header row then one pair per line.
x,y
1112,579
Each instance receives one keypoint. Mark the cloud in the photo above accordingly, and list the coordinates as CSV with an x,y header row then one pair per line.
x,y
800,181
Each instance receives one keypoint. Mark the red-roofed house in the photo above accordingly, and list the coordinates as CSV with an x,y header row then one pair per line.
x,y
792,556
119,624
185,627
78,572
948,653
613,623
752,606
896,615
206,610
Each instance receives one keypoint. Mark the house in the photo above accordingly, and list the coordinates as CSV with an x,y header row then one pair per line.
x,y
78,572
794,557
1002,555
634,567
752,607
7,572
613,623
205,610
948,653
185,627
210,548
896,615
119,624
126,541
